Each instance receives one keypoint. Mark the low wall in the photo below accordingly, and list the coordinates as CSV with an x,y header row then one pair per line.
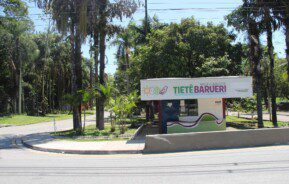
x,y
216,140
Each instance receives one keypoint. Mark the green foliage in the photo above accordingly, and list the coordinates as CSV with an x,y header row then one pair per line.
x,y
124,105
216,66
122,108
187,49
281,77
93,134
13,8
247,105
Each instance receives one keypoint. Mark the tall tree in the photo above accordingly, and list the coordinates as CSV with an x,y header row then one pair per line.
x,y
281,11
124,43
269,24
107,12
244,19
16,21
93,30
71,16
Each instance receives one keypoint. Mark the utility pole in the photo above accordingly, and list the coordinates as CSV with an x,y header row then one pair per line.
x,y
20,81
146,17
46,58
149,105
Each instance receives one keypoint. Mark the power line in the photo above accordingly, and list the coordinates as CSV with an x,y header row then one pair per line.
x,y
162,9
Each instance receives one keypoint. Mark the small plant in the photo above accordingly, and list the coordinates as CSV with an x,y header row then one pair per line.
x,y
122,129
112,128
149,124
123,108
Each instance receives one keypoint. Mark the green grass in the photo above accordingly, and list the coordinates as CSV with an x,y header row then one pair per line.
x,y
248,123
91,131
18,120
278,100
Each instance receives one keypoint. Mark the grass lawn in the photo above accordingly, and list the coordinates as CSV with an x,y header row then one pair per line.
x,y
248,123
278,100
18,120
93,134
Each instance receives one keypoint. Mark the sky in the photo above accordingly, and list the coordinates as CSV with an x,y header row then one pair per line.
x,y
169,11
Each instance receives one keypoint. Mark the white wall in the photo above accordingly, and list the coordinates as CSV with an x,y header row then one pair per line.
x,y
213,106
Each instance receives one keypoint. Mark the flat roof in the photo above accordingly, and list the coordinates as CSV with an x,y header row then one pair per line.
x,y
221,77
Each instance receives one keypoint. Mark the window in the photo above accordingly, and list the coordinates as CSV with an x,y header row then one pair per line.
x,y
189,108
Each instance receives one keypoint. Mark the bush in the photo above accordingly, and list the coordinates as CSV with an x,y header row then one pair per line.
x,y
112,128
122,128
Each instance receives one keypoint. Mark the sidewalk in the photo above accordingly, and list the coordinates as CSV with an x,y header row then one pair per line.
x,y
45,142
281,116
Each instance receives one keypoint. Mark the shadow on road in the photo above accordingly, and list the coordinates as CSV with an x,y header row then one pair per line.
x,y
6,142
40,138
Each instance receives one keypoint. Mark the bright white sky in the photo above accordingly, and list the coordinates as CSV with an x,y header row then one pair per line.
x,y
168,11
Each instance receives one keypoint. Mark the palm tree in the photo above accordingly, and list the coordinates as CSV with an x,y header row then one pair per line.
x,y
71,16
281,12
93,31
18,28
141,32
124,45
244,19
108,11
270,24
16,14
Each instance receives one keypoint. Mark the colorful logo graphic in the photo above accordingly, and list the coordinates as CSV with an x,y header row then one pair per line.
x,y
164,90
155,90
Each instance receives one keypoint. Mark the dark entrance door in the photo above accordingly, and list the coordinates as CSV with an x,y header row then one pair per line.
x,y
170,112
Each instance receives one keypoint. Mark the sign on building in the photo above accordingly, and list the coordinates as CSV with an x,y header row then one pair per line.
x,y
196,88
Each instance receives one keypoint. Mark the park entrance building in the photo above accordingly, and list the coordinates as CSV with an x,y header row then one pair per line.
x,y
194,104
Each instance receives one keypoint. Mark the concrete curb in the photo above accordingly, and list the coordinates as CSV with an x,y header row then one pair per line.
x,y
216,140
80,152
138,131
4,126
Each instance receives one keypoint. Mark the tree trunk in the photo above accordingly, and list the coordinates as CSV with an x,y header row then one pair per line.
x,y
78,70
96,63
255,57
127,74
19,75
91,81
74,84
102,47
287,45
272,76
266,94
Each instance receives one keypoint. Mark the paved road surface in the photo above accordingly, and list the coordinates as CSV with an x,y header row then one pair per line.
x,y
251,165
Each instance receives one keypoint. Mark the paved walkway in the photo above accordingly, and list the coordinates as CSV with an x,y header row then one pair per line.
x,y
43,127
281,116
45,142
37,136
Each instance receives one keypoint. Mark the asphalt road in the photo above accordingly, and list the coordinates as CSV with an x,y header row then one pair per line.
x,y
249,165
